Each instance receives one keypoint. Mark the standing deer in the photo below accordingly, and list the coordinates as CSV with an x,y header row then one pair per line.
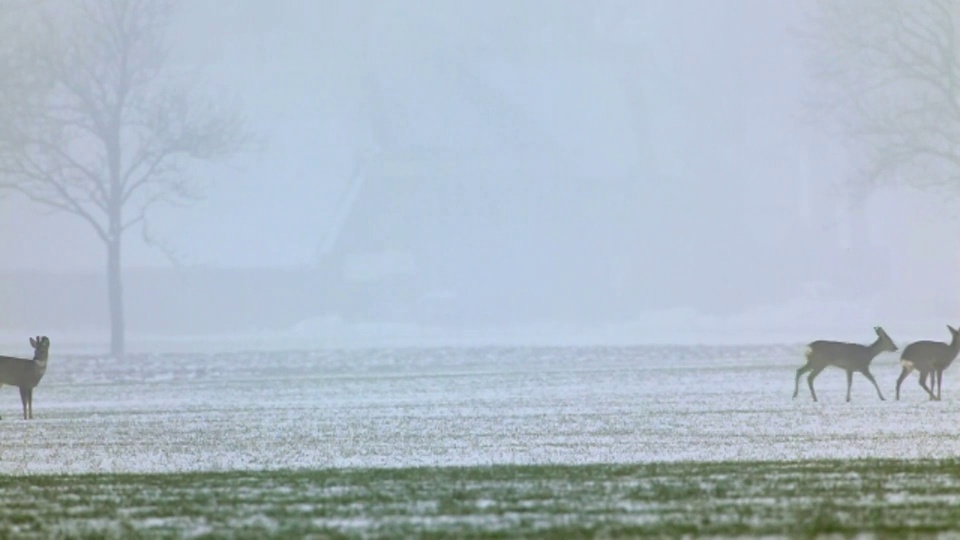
x,y
848,356
929,358
26,374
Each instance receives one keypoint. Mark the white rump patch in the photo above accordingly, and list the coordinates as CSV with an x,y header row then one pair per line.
x,y
907,364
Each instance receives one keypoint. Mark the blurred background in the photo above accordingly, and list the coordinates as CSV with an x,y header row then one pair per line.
x,y
529,171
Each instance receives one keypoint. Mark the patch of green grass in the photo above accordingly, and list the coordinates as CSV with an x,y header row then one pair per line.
x,y
883,497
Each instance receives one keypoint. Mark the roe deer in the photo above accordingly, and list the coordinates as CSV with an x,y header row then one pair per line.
x,y
26,374
848,356
929,358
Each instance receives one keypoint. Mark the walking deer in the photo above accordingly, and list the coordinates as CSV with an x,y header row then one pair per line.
x,y
26,374
848,356
929,358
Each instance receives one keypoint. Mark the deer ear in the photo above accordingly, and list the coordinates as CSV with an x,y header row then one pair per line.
x,y
45,340
33,343
951,329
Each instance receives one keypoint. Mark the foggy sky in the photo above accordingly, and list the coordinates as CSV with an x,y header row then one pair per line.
x,y
698,101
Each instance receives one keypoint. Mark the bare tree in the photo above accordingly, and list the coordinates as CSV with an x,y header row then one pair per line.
x,y
114,132
890,74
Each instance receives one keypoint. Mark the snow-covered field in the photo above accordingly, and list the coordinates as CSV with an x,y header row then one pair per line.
x,y
461,406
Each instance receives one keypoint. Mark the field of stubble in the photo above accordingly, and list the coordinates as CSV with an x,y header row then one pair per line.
x,y
480,442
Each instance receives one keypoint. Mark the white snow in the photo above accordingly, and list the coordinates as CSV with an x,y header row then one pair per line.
x,y
460,406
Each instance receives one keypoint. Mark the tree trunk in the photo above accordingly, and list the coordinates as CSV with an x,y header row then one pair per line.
x,y
115,295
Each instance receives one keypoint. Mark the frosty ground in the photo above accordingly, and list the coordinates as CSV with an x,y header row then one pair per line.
x,y
411,407
585,427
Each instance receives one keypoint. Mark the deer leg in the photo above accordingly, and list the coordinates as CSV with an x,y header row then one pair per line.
x,y
939,373
870,378
849,383
810,378
23,401
30,402
796,386
903,375
923,383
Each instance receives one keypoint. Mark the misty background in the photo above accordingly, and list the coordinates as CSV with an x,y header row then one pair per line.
x,y
534,171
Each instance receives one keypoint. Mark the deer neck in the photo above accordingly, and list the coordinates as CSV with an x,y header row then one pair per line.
x,y
875,348
41,358
954,346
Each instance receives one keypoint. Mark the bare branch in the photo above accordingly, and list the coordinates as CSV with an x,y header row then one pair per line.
x,y
111,130
146,205
98,128
62,201
152,239
889,73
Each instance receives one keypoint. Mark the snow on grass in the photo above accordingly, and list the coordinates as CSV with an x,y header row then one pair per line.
x,y
469,406
890,498
566,442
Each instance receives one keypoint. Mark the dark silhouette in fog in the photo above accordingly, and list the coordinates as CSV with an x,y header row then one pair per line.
x,y
851,357
25,374
108,133
929,358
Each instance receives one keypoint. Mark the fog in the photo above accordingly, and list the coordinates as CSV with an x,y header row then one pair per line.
x,y
621,170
